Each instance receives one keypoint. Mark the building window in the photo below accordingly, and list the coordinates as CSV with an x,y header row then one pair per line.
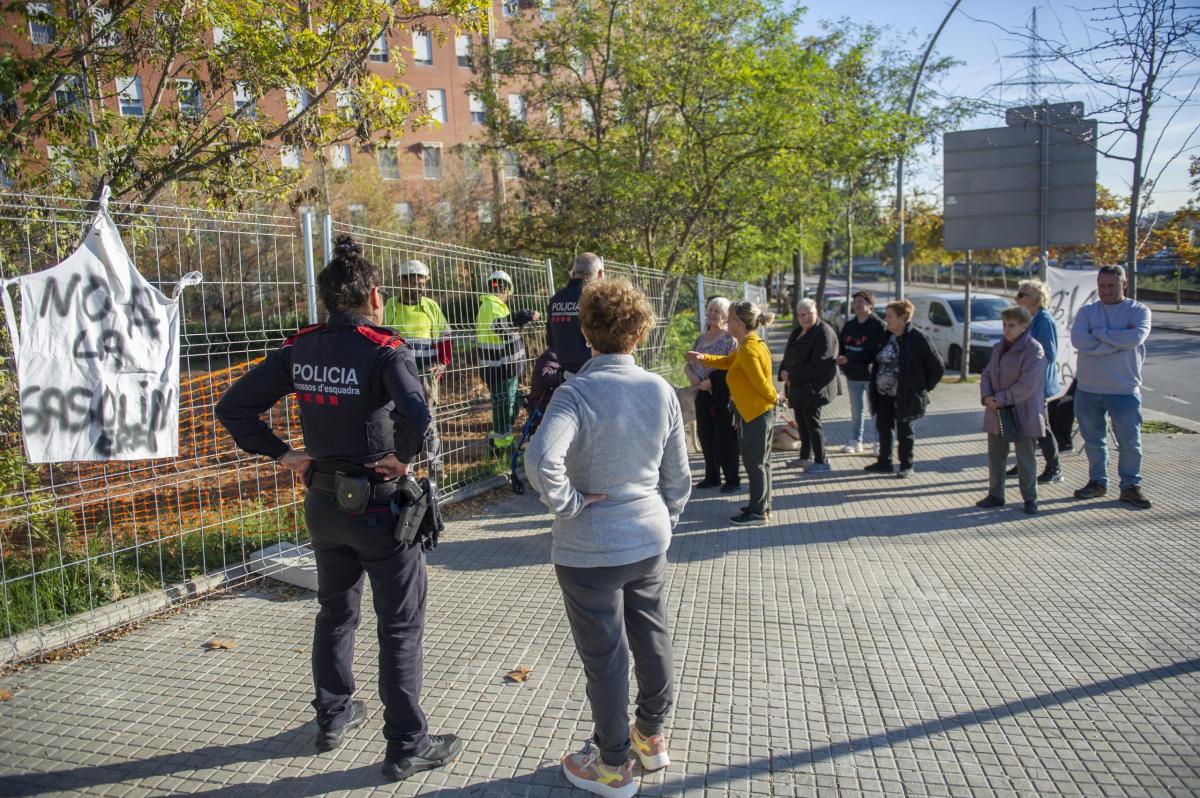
x,y
389,163
541,59
102,28
61,165
219,37
189,98
243,101
472,168
502,54
404,214
547,10
445,214
69,96
41,22
554,115
516,107
431,157
426,3
435,100
129,96
586,112
345,104
462,50
478,109
358,213
379,50
512,167
510,7
289,157
297,101
422,48
484,209
339,156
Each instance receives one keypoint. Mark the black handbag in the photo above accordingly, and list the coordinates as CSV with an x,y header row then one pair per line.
x,y
1009,428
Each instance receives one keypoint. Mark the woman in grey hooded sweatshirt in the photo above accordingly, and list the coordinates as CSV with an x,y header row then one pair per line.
x,y
610,461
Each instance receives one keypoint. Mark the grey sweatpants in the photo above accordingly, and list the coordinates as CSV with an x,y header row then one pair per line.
x,y
1026,466
756,438
614,610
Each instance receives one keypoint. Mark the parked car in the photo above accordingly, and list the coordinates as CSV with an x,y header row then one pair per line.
x,y
830,304
940,316
838,318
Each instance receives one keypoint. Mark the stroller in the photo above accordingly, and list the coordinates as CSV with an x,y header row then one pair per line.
x,y
547,375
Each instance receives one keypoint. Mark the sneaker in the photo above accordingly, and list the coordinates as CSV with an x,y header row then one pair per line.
x,y
587,771
1092,490
748,518
817,468
1135,497
731,487
329,739
853,448
704,484
800,463
1047,477
904,472
443,749
879,468
1031,508
1012,472
651,751
990,501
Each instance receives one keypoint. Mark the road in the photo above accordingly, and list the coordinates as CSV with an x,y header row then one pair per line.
x,y
1172,371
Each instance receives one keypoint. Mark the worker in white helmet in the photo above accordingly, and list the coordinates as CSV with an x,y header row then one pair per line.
x,y
501,354
420,322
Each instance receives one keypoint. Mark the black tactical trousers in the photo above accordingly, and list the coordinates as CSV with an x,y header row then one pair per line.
x,y
347,548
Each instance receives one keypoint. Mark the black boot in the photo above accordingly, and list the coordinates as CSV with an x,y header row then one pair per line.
x,y
329,739
443,749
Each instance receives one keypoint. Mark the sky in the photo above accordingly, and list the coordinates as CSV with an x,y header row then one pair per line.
x,y
977,35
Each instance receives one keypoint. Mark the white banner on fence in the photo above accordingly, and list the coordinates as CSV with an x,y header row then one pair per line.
x,y
1069,291
97,355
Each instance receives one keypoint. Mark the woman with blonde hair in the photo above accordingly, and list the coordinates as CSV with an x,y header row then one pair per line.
x,y
611,463
753,392
1034,296
714,422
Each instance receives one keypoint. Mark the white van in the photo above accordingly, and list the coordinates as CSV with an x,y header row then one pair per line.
x,y
940,316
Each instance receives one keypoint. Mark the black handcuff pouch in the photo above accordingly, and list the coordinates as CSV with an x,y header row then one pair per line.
x,y
353,493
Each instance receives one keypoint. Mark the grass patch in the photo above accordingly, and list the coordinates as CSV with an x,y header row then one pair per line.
x,y
1165,427
954,379
49,586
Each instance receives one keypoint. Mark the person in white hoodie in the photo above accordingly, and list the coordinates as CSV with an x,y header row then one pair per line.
x,y
610,461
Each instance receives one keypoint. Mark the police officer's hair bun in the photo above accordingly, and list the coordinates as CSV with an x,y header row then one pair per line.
x,y
345,245
346,282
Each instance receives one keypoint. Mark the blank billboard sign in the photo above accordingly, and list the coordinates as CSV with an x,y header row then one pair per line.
x,y
993,182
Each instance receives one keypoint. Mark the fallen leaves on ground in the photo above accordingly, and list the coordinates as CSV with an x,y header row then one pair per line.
x,y
518,674
5,695
217,644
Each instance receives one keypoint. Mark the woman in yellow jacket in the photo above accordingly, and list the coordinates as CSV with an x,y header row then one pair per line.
x,y
753,391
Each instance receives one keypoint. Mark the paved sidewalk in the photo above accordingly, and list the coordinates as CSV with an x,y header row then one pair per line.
x,y
878,638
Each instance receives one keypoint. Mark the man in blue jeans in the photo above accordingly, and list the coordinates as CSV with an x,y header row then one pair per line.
x,y
1110,336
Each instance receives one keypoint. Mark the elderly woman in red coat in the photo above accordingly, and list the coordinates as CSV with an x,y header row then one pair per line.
x,y
1012,389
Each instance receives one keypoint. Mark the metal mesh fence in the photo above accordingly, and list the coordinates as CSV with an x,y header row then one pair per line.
x,y
85,547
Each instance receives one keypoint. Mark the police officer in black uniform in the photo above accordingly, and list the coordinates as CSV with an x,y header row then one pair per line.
x,y
563,333
364,417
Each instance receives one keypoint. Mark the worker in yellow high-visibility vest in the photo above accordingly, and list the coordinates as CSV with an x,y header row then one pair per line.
x,y
501,354
420,322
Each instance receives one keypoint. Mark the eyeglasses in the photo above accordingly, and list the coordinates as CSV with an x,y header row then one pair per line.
x,y
1023,295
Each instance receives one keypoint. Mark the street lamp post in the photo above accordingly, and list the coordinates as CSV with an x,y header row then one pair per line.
x,y
912,99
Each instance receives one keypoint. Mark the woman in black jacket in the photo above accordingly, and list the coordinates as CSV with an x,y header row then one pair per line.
x,y
809,373
905,371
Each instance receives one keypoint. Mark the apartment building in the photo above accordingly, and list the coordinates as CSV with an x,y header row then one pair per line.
x,y
431,179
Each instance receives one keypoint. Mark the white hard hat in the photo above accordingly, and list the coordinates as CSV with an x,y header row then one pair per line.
x,y
499,274
410,268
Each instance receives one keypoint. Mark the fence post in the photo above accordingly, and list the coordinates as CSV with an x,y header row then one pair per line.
x,y
310,275
328,229
550,279
745,291
700,299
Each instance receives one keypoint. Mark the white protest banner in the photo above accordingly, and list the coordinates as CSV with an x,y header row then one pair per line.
x,y
97,355
1069,291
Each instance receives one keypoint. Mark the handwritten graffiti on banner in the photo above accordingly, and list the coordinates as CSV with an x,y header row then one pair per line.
x,y
1069,291
97,356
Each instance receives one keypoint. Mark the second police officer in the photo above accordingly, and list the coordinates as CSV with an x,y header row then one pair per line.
x,y
563,333
364,417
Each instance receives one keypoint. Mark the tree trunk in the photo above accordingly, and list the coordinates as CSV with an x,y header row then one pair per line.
x,y
826,252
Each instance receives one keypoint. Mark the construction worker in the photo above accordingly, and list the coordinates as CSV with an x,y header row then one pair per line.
x,y
420,322
501,354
